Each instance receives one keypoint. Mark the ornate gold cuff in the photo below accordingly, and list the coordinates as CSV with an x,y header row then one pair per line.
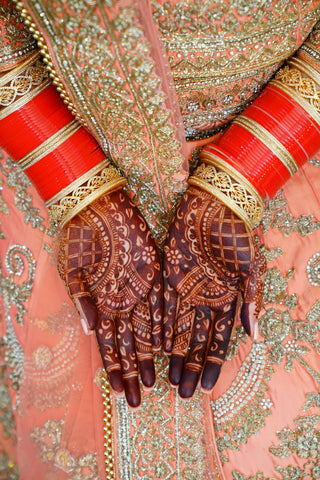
x,y
301,82
230,187
78,195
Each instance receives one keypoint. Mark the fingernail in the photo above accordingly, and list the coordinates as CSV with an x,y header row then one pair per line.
x,y
85,326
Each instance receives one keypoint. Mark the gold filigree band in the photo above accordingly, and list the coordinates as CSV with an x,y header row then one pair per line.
x,y
49,145
71,200
224,182
303,89
271,142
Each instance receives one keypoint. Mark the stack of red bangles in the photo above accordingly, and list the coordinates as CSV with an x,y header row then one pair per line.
x,y
267,144
60,157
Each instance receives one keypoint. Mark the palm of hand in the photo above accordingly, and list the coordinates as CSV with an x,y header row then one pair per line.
x,y
210,260
111,268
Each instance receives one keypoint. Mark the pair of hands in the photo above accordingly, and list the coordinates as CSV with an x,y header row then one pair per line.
x,y
112,270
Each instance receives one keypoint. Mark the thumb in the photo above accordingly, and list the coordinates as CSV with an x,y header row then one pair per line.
x,y
81,297
253,295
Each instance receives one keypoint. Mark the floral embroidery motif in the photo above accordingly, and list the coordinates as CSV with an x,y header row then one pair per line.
x,y
18,259
276,216
15,42
8,469
49,370
48,438
19,182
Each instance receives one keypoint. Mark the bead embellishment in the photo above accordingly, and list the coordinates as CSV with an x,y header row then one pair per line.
x,y
313,270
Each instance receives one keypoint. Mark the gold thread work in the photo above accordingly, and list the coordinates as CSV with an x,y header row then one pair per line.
x,y
271,142
32,28
70,201
242,201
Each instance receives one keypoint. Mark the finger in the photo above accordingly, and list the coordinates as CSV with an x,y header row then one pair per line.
x,y
128,359
141,322
182,334
105,334
80,294
155,299
170,309
253,294
222,329
199,344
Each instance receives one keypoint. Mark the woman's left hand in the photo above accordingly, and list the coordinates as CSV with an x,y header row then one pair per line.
x,y
211,264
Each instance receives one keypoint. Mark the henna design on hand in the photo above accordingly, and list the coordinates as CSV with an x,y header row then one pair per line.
x,y
110,265
211,264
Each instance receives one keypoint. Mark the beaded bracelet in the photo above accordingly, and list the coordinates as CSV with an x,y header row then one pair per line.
x,y
266,144
60,157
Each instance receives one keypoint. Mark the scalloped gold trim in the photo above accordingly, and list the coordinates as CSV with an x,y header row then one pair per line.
x,y
24,100
271,142
71,200
32,28
302,89
239,199
215,160
14,72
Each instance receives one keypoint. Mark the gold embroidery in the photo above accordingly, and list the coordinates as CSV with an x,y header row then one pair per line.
x,y
276,215
241,411
49,370
108,430
15,42
313,270
84,467
143,145
222,53
172,428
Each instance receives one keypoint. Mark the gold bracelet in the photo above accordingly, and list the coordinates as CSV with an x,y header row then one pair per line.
x,y
78,195
302,89
230,187
269,141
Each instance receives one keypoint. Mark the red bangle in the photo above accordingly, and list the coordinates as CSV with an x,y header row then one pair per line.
x,y
270,141
62,159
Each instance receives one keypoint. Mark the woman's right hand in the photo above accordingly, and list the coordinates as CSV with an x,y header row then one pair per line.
x,y
110,266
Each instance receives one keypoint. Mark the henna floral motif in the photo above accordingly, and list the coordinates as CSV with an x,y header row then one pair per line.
x,y
211,263
110,265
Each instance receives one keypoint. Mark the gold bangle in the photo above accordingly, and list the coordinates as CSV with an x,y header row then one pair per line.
x,y
25,99
302,89
307,69
21,67
78,195
241,200
271,142
49,145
